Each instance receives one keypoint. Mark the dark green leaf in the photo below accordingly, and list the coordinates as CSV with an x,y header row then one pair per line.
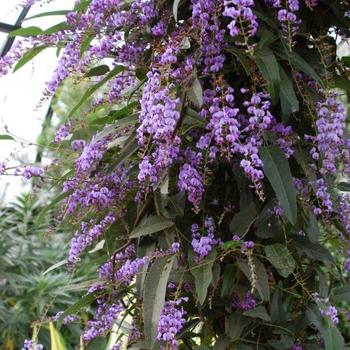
x,y
97,71
151,225
242,221
289,100
342,294
259,312
229,275
116,70
131,146
6,137
203,274
73,309
56,28
344,186
276,169
277,311
269,68
262,283
50,13
280,258
314,251
29,31
237,323
331,335
242,58
51,205
28,56
154,296
312,229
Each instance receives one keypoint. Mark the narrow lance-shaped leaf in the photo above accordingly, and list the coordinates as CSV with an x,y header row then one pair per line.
x,y
151,225
276,169
56,339
154,296
203,274
116,70
268,66
6,137
28,56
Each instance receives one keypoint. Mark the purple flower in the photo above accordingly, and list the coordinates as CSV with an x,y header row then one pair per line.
x,y
78,145
171,322
327,310
244,304
32,345
203,244
244,22
103,320
32,171
62,132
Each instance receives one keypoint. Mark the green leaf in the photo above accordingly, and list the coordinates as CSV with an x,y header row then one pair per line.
x,y
288,98
341,294
29,31
243,220
175,9
231,245
50,13
73,309
331,335
269,68
277,312
53,204
266,38
6,137
280,258
344,186
154,296
276,169
237,323
116,70
131,146
56,339
195,93
56,28
143,249
242,58
55,266
203,274
312,229
229,275
258,312
314,251
151,225
97,71
28,56
262,283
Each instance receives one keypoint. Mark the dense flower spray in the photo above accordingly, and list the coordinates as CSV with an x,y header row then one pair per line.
x,y
214,150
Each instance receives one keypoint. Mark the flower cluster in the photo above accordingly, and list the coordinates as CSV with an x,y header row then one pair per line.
x,y
62,132
32,171
171,322
326,309
287,16
89,233
32,345
244,23
203,244
244,304
103,320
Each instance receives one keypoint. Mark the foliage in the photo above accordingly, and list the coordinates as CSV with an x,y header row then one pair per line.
x,y
209,177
